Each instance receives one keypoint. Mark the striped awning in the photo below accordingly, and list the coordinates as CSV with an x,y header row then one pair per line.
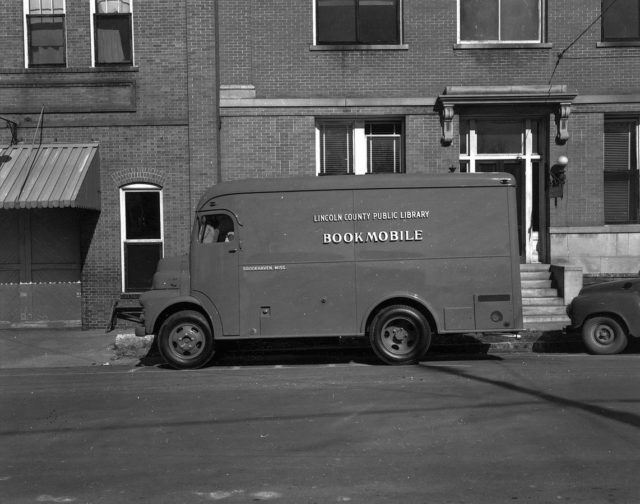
x,y
50,176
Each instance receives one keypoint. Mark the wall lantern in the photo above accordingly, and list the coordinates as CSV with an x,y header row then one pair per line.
x,y
558,177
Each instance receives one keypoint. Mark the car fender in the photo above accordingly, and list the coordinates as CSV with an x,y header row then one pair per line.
x,y
623,305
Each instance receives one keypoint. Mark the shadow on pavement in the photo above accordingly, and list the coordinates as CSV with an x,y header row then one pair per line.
x,y
319,351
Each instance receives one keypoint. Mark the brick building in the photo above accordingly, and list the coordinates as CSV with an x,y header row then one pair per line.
x,y
194,91
134,83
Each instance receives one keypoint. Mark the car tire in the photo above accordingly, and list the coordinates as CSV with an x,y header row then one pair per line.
x,y
604,336
185,340
400,335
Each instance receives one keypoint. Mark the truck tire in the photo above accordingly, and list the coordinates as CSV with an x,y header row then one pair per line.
x,y
604,336
185,340
400,334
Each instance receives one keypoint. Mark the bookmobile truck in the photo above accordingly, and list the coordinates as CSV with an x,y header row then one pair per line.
x,y
394,259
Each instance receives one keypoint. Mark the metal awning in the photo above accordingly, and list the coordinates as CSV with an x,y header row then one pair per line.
x,y
50,176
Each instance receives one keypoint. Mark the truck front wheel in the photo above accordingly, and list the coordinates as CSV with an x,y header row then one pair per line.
x,y
400,335
604,336
185,340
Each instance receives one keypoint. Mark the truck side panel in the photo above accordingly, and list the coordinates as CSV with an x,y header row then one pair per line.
x,y
290,285
466,282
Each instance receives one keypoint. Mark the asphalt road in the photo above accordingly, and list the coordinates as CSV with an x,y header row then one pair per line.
x,y
510,428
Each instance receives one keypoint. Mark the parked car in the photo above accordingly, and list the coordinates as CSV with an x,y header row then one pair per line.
x,y
608,314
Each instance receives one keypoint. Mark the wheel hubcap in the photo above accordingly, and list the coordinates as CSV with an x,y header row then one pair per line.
x,y
604,335
187,341
399,336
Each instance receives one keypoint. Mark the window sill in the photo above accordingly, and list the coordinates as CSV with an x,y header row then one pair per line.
x,y
629,43
503,45
360,47
64,70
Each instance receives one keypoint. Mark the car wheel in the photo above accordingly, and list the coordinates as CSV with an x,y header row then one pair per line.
x,y
400,335
604,336
185,340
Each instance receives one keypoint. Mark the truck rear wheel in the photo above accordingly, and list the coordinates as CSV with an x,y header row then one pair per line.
x,y
604,336
400,335
185,340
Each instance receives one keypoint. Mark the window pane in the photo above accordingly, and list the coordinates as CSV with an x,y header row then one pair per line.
x,y
620,20
140,262
46,7
621,172
336,149
378,22
382,128
46,40
142,215
619,145
383,155
113,39
499,137
479,19
519,20
113,6
621,197
336,21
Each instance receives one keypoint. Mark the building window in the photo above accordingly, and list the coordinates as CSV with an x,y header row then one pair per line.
x,y
113,32
620,20
142,235
358,22
359,147
500,21
621,192
45,32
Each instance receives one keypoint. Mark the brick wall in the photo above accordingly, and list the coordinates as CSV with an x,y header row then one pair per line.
x,y
267,44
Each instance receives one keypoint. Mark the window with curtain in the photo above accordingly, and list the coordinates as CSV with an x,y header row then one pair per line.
x,y
500,20
358,21
46,38
620,20
142,235
621,186
113,32
360,147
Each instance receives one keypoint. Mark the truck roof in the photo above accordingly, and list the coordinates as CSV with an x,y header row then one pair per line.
x,y
337,183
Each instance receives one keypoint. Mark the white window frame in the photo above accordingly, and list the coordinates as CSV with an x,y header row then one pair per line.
x,y
92,12
123,223
539,40
360,142
25,29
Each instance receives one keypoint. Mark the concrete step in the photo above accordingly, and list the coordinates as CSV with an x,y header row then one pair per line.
x,y
536,284
535,267
544,310
545,322
535,275
545,326
543,301
530,293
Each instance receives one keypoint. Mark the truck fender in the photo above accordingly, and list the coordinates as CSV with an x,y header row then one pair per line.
x,y
184,303
402,298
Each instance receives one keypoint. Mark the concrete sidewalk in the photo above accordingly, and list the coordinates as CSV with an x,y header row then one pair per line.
x,y
35,348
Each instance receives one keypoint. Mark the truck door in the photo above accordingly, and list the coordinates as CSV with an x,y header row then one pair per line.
x,y
214,266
